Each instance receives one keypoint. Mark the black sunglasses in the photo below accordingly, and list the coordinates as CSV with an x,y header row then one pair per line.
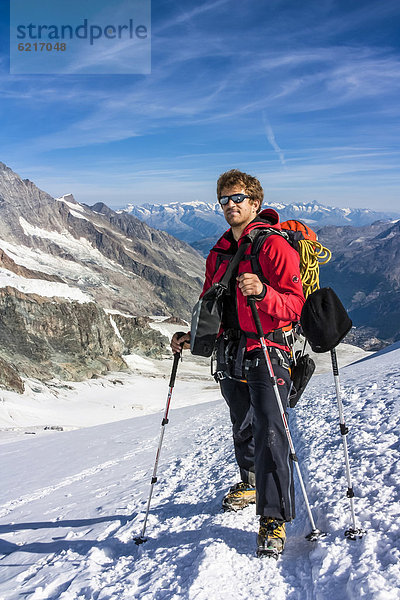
x,y
236,198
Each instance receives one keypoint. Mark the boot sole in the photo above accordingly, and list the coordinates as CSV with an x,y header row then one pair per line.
x,y
232,508
269,553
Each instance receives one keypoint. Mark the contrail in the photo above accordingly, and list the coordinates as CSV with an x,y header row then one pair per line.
x,y
273,142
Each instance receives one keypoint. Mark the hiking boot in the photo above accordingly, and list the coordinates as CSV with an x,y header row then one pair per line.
x,y
239,496
271,537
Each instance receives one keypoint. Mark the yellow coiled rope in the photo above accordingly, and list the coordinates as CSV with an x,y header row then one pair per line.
x,y
312,254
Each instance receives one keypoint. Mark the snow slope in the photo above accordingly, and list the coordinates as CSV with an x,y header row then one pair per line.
x,y
71,504
57,405
41,287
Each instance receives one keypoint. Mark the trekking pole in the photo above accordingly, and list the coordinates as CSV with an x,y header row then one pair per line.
x,y
315,533
352,533
164,422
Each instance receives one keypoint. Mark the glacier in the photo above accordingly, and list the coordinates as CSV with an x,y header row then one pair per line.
x,y
72,502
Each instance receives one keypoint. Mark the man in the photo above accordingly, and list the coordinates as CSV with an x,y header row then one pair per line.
x,y
261,446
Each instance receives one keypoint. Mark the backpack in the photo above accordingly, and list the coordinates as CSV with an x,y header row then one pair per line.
x,y
304,240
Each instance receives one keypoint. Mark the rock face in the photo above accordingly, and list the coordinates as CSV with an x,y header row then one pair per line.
x,y
53,337
10,378
139,337
109,262
47,338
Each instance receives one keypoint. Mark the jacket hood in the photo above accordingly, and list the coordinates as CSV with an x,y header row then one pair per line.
x,y
270,215
266,218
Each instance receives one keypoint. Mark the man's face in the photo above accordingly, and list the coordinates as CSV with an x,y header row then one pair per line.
x,y
241,214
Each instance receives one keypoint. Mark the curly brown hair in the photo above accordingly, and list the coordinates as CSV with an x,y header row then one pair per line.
x,y
251,185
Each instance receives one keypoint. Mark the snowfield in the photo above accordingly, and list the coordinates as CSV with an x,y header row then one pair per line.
x,y
41,287
71,503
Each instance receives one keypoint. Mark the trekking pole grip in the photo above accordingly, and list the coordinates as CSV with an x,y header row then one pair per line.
x,y
177,356
252,303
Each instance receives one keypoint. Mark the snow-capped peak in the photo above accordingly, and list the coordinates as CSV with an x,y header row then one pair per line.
x,y
195,220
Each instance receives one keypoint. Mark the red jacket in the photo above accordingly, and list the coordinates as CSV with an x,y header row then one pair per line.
x,y
280,265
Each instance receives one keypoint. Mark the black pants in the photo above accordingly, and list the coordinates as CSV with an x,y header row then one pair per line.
x,y
261,446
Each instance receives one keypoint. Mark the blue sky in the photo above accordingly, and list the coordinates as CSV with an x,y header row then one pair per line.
x,y
304,95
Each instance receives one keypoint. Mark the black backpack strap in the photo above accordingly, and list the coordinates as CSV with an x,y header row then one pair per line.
x,y
219,260
258,237
233,264
221,256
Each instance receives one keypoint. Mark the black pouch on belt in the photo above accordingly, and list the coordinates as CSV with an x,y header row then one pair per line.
x,y
301,374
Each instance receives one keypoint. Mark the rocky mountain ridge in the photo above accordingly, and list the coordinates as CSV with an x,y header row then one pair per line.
x,y
118,260
64,267
365,268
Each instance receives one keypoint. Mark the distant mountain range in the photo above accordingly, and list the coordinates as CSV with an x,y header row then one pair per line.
x,y
201,223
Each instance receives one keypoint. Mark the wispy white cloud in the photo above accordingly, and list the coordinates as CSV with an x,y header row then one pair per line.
x,y
189,15
350,20
186,88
